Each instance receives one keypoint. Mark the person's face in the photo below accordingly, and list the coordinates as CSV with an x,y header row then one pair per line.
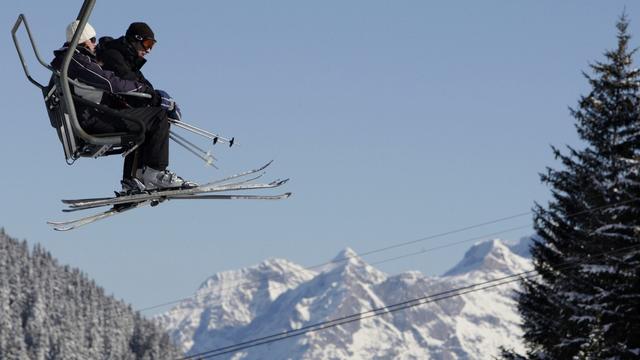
x,y
143,47
142,52
90,44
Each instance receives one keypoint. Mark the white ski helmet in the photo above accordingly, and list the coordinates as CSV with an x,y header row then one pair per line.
x,y
87,33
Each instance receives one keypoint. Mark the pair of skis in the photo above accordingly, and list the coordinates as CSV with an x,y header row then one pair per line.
x,y
124,203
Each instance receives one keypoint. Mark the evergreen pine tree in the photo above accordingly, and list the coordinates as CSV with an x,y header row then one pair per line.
x,y
48,311
586,303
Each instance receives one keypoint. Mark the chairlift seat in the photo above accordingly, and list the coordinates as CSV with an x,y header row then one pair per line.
x,y
76,142
75,147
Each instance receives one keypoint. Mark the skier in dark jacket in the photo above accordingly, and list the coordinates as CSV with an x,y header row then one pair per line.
x,y
125,56
109,87
122,56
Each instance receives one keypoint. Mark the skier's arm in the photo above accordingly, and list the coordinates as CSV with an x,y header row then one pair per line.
x,y
89,72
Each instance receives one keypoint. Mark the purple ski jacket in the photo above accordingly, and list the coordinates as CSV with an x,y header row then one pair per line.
x,y
85,69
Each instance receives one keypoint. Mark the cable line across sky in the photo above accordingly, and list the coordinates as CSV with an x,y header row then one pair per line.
x,y
234,285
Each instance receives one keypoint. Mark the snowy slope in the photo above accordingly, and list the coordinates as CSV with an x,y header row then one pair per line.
x,y
277,295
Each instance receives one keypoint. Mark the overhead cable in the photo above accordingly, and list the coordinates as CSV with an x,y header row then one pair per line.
x,y
234,285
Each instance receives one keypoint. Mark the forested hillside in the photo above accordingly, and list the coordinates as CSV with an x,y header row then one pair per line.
x,y
50,311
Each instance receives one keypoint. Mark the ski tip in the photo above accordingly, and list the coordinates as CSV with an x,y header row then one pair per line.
x,y
287,195
264,166
278,182
59,226
75,201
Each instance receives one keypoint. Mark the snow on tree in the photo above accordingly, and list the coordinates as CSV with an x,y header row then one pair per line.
x,y
48,311
586,304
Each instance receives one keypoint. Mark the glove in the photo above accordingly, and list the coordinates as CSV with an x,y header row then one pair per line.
x,y
175,114
166,101
170,105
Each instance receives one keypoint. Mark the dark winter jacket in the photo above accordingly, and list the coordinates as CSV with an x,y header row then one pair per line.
x,y
119,56
85,68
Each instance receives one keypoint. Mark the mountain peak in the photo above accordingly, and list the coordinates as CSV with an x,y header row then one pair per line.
x,y
348,254
348,264
492,255
267,270
348,285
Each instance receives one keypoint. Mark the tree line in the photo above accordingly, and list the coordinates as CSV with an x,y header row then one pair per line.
x,y
49,311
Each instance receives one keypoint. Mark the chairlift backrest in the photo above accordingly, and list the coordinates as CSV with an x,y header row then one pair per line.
x,y
59,118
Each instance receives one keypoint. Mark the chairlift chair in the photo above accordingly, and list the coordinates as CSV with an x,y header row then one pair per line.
x,y
60,101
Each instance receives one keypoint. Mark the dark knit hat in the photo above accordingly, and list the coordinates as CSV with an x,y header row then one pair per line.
x,y
139,31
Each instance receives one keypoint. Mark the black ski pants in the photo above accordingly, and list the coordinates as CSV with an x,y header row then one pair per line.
x,y
153,152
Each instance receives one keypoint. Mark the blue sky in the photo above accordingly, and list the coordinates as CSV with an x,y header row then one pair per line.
x,y
394,121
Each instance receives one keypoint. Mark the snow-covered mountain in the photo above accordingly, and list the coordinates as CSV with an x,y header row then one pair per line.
x,y
277,295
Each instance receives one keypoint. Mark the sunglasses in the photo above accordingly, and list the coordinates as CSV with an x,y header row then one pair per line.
x,y
93,40
147,43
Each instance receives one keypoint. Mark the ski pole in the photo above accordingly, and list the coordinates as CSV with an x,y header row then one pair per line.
x,y
205,133
204,155
211,136
193,146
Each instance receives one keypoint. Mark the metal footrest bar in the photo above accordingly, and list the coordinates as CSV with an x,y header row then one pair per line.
x,y
102,150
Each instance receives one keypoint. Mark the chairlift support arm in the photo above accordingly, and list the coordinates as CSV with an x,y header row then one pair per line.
x,y
23,20
83,17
